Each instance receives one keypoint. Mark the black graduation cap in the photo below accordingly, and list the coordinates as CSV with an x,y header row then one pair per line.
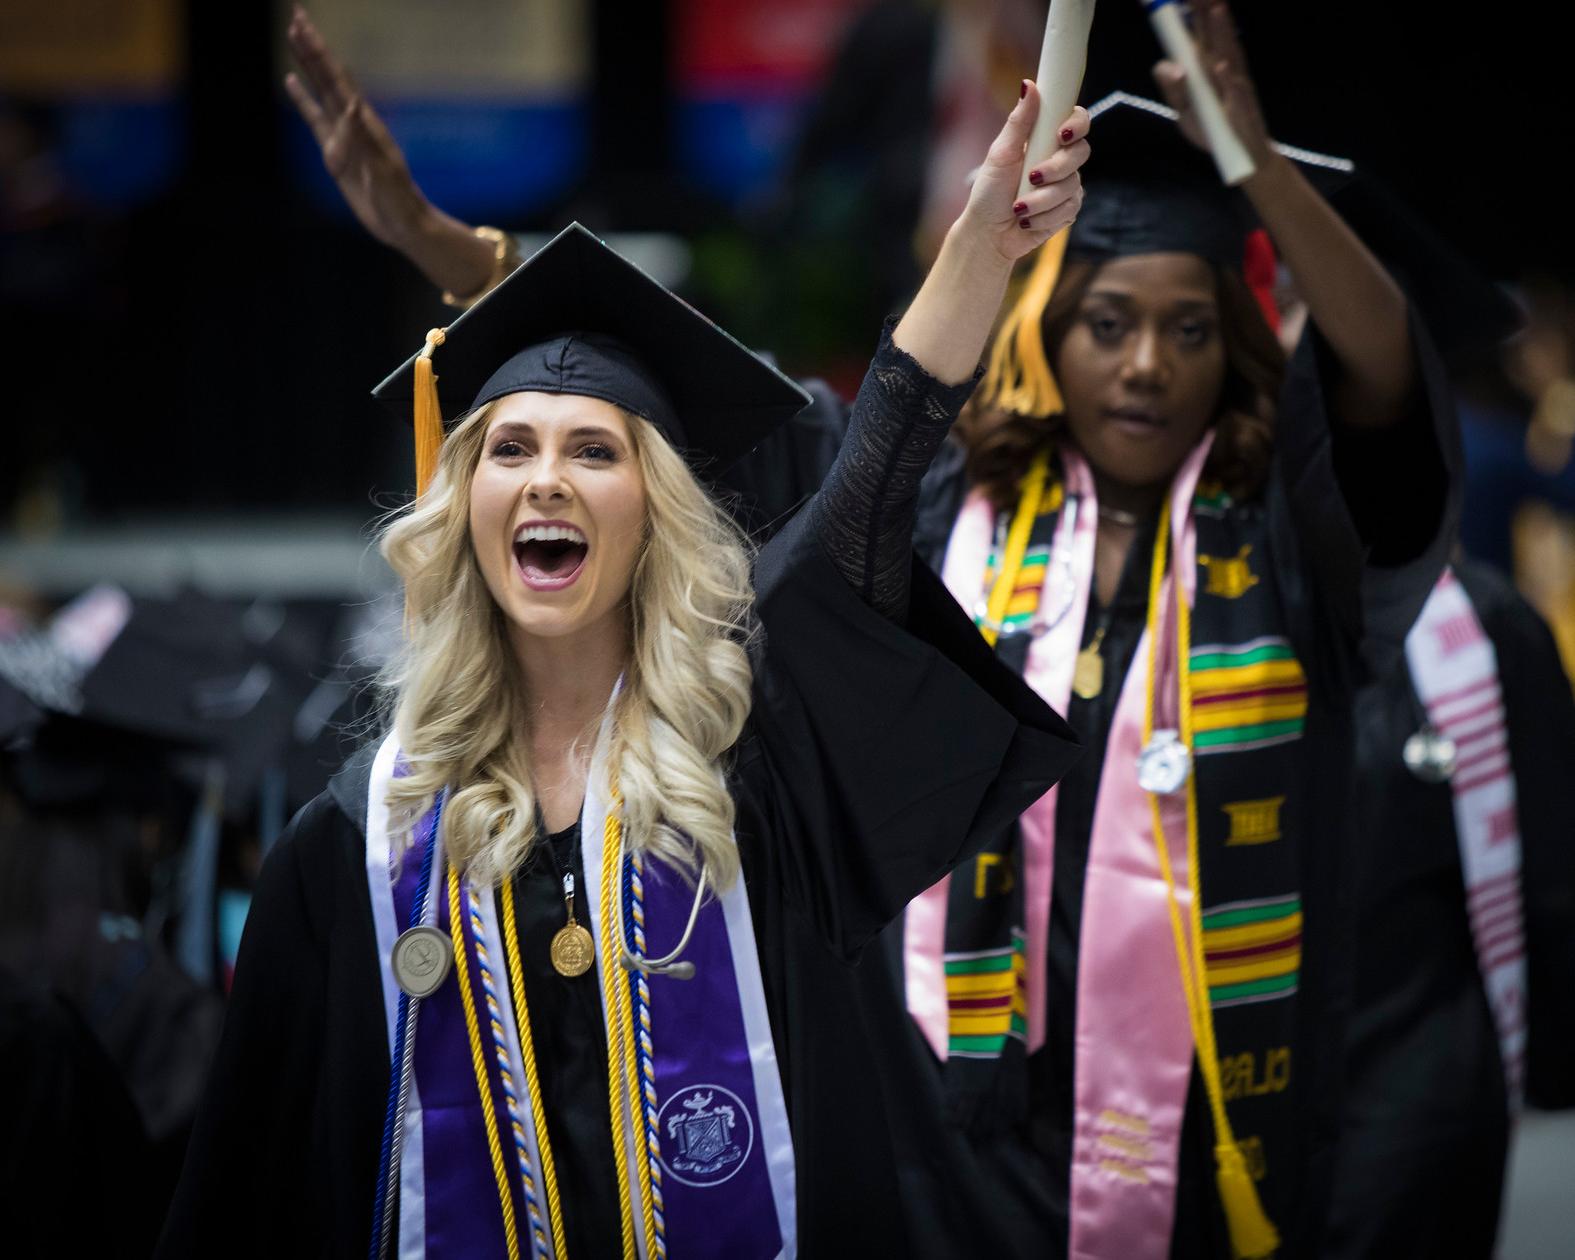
x,y
1149,190
578,318
1157,192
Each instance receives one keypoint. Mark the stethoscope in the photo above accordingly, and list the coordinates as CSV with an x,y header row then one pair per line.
x,y
671,963
1063,580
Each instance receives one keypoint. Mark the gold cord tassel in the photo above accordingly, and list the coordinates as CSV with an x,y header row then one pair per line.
x,y
429,414
1019,377
1252,1233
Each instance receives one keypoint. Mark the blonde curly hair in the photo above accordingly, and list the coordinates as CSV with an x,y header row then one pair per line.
x,y
457,700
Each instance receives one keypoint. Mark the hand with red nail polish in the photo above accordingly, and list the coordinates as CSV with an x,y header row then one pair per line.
x,y
948,322
1015,217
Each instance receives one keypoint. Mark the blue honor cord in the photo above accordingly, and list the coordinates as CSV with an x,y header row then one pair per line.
x,y
399,1065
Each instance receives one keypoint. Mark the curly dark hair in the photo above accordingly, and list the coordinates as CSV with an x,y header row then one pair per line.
x,y
1000,444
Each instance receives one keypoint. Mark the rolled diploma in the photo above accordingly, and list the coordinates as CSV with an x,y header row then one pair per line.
x,y
1230,155
1062,61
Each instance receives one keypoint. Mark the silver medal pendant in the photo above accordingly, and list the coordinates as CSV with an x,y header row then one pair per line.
x,y
421,958
1164,765
1430,755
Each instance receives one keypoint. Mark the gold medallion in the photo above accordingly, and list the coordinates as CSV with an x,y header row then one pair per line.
x,y
1088,679
573,951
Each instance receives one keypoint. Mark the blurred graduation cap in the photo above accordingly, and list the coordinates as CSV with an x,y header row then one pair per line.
x,y
183,685
578,318
1150,190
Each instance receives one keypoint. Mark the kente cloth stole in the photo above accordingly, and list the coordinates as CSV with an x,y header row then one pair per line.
x,y
705,1107
1454,669
975,945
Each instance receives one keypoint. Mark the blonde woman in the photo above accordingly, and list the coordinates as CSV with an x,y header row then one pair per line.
x,y
597,895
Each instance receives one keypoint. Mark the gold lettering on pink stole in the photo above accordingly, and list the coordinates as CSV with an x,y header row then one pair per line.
x,y
1124,1147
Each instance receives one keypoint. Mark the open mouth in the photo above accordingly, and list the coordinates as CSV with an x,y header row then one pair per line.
x,y
1138,421
549,554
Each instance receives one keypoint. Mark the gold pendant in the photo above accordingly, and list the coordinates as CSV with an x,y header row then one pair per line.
x,y
573,951
1088,678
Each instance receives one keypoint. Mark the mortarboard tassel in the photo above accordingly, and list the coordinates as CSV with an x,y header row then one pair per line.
x,y
429,413
1252,1234
1019,377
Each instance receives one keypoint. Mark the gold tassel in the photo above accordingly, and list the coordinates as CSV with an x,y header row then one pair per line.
x,y
1252,1233
1019,377
429,414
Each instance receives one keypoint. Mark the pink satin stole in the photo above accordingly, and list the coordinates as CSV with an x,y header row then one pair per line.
x,y
1133,1052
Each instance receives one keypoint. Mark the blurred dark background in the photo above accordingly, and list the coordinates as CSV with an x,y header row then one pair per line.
x,y
193,321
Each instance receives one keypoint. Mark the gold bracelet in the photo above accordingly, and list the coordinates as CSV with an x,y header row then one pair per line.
x,y
505,257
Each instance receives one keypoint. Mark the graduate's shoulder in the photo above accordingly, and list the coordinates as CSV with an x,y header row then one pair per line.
x,y
323,846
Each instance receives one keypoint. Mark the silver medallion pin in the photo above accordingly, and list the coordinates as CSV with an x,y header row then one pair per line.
x,y
1430,755
1164,765
421,959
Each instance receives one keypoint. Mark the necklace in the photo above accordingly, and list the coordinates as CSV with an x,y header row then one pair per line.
x,y
1088,676
1131,520
573,951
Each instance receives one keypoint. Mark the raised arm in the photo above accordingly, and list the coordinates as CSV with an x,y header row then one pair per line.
x,y
1351,298
921,377
370,169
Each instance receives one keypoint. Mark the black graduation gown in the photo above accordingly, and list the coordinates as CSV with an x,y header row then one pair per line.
x,y
73,1151
1355,557
875,756
1421,1161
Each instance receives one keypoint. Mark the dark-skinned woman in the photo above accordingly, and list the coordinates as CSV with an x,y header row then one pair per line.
x,y
1195,550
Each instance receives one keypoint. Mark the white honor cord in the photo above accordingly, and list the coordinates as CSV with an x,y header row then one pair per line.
x,y
668,964
1042,620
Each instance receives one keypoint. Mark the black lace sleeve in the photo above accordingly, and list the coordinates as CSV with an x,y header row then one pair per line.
x,y
864,514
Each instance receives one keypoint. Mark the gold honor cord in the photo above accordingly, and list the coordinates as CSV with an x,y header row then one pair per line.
x,y
478,1059
1017,536
549,1171
622,1075
620,980
1252,1234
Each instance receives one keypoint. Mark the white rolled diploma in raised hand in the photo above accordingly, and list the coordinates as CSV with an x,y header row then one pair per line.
x,y
1062,61
1230,155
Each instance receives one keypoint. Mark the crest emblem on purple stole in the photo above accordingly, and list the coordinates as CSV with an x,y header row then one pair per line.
x,y
707,1134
